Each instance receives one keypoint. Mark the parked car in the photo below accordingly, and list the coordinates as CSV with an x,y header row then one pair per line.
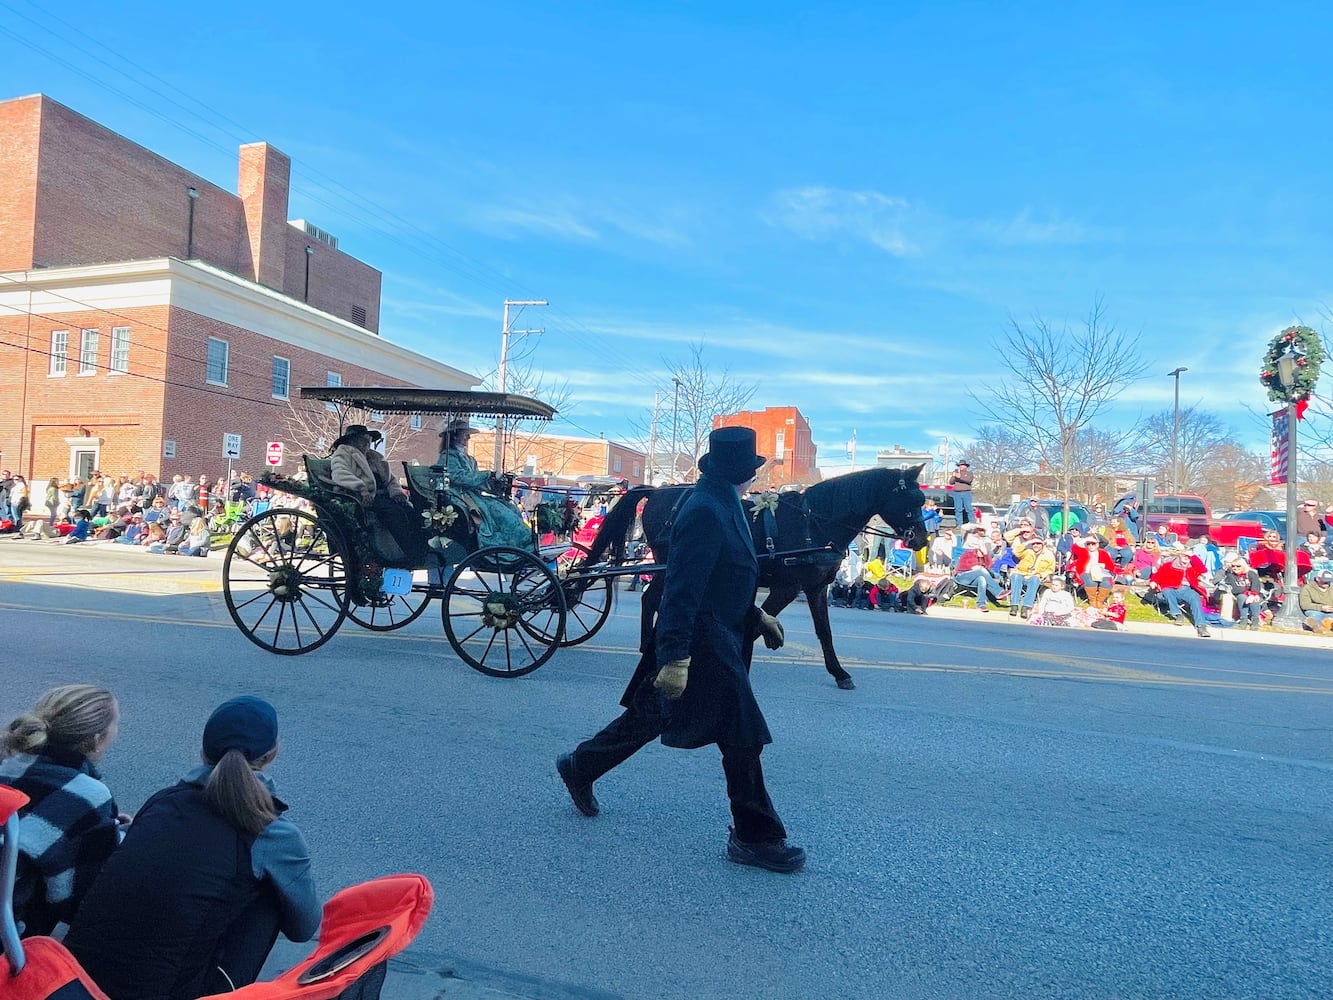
x,y
1040,511
1189,516
1272,520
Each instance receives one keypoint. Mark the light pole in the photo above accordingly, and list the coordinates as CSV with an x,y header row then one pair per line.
x,y
1175,433
309,252
1289,618
675,441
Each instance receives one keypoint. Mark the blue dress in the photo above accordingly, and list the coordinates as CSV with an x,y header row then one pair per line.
x,y
500,521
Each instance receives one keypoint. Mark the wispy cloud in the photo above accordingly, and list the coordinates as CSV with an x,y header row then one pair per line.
x,y
904,228
822,214
581,220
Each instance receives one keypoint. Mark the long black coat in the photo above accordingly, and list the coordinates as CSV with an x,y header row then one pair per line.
x,y
708,614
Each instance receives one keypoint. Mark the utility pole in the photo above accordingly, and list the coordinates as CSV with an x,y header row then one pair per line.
x,y
652,440
1175,433
501,424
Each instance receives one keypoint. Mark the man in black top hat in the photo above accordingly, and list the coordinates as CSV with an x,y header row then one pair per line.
x,y
693,687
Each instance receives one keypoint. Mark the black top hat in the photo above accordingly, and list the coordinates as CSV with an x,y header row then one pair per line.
x,y
731,455
355,430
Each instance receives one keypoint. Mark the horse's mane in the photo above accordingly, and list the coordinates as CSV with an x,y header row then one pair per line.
x,y
850,490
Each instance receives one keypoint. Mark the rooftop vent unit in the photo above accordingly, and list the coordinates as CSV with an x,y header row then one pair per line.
x,y
315,233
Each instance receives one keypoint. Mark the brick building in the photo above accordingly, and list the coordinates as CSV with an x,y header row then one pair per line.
x,y
145,312
532,453
783,435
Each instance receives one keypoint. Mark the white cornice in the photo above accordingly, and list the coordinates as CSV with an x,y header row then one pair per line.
x,y
216,294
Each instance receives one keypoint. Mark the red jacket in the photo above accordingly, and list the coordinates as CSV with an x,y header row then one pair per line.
x,y
1262,557
1080,554
1169,576
971,559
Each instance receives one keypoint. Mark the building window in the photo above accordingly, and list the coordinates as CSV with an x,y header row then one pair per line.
x,y
416,422
88,352
779,447
332,380
120,349
216,370
282,377
615,466
359,315
376,417
59,351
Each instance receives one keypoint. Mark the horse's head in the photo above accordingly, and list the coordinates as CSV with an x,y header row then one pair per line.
x,y
901,506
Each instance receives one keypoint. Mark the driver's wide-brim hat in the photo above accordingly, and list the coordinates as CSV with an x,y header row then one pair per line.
x,y
353,431
731,455
452,425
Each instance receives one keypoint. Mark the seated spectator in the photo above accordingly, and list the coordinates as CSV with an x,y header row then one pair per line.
x,y
1314,546
1119,542
1163,536
918,597
1035,566
156,510
198,540
1094,570
192,902
846,581
974,571
133,531
884,595
1146,558
153,538
1307,518
1055,606
1317,601
70,825
1177,580
174,535
1269,559
1238,594
941,550
82,525
1208,552
1064,544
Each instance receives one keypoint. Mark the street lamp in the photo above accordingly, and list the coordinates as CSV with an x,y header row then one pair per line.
x,y
1175,433
675,445
1289,618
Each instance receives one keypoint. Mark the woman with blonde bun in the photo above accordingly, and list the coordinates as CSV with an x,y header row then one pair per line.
x,y
70,825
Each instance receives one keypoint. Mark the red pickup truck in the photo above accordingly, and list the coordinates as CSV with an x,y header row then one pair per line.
x,y
1189,516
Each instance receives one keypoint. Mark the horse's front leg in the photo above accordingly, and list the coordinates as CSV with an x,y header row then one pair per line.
x,y
816,595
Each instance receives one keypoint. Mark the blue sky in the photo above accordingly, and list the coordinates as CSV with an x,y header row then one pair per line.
x,y
843,202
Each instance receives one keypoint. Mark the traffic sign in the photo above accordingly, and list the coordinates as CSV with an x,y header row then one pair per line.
x,y
274,453
231,446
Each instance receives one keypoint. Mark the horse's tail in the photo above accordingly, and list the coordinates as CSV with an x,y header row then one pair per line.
x,y
614,533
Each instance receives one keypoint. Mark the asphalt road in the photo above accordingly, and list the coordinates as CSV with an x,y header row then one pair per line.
x,y
996,811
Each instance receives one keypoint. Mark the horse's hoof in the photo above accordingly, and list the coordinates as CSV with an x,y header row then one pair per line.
x,y
846,683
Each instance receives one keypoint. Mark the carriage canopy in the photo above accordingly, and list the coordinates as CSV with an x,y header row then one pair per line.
x,y
401,399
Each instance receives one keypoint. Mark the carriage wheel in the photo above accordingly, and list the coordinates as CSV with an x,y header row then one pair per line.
x,y
489,604
395,611
587,601
285,581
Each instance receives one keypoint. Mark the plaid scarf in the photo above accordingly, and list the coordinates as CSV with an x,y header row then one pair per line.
x,y
66,832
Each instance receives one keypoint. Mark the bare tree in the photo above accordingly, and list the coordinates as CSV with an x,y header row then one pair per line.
x,y
312,427
1201,434
525,380
704,393
1055,383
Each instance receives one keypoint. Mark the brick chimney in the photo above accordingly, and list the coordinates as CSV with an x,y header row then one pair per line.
x,y
262,184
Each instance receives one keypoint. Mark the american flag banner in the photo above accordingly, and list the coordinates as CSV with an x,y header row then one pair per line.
x,y
1280,443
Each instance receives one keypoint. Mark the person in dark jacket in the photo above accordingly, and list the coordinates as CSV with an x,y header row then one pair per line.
x,y
192,901
70,825
692,686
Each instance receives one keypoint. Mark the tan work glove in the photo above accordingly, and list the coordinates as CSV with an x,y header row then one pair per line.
x,y
771,629
673,677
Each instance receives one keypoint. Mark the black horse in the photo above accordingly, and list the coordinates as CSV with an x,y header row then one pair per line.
x,y
828,515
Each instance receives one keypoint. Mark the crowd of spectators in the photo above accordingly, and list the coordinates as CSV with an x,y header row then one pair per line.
x,y
176,518
1086,575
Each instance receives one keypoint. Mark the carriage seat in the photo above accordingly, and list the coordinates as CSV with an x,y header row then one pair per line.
x,y
419,484
320,470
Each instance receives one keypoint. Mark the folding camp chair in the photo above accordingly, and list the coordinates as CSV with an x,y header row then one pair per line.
x,y
362,928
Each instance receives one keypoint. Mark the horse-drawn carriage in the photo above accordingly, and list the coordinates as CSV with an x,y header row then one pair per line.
x,y
293,574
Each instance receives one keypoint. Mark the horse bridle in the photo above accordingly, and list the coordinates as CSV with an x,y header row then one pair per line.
x,y
867,529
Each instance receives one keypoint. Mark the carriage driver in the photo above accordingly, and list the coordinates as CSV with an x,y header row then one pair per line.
x,y
498,520
359,469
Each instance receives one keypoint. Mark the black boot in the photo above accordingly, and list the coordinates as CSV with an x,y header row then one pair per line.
x,y
1025,612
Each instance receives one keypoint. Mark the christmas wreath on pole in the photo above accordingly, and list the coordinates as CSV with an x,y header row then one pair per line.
x,y
1303,347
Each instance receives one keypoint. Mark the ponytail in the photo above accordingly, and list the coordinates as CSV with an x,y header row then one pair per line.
x,y
237,795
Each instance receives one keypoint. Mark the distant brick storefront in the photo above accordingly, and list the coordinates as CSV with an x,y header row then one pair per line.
x,y
783,437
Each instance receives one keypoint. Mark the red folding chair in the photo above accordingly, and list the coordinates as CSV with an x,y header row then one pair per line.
x,y
362,927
